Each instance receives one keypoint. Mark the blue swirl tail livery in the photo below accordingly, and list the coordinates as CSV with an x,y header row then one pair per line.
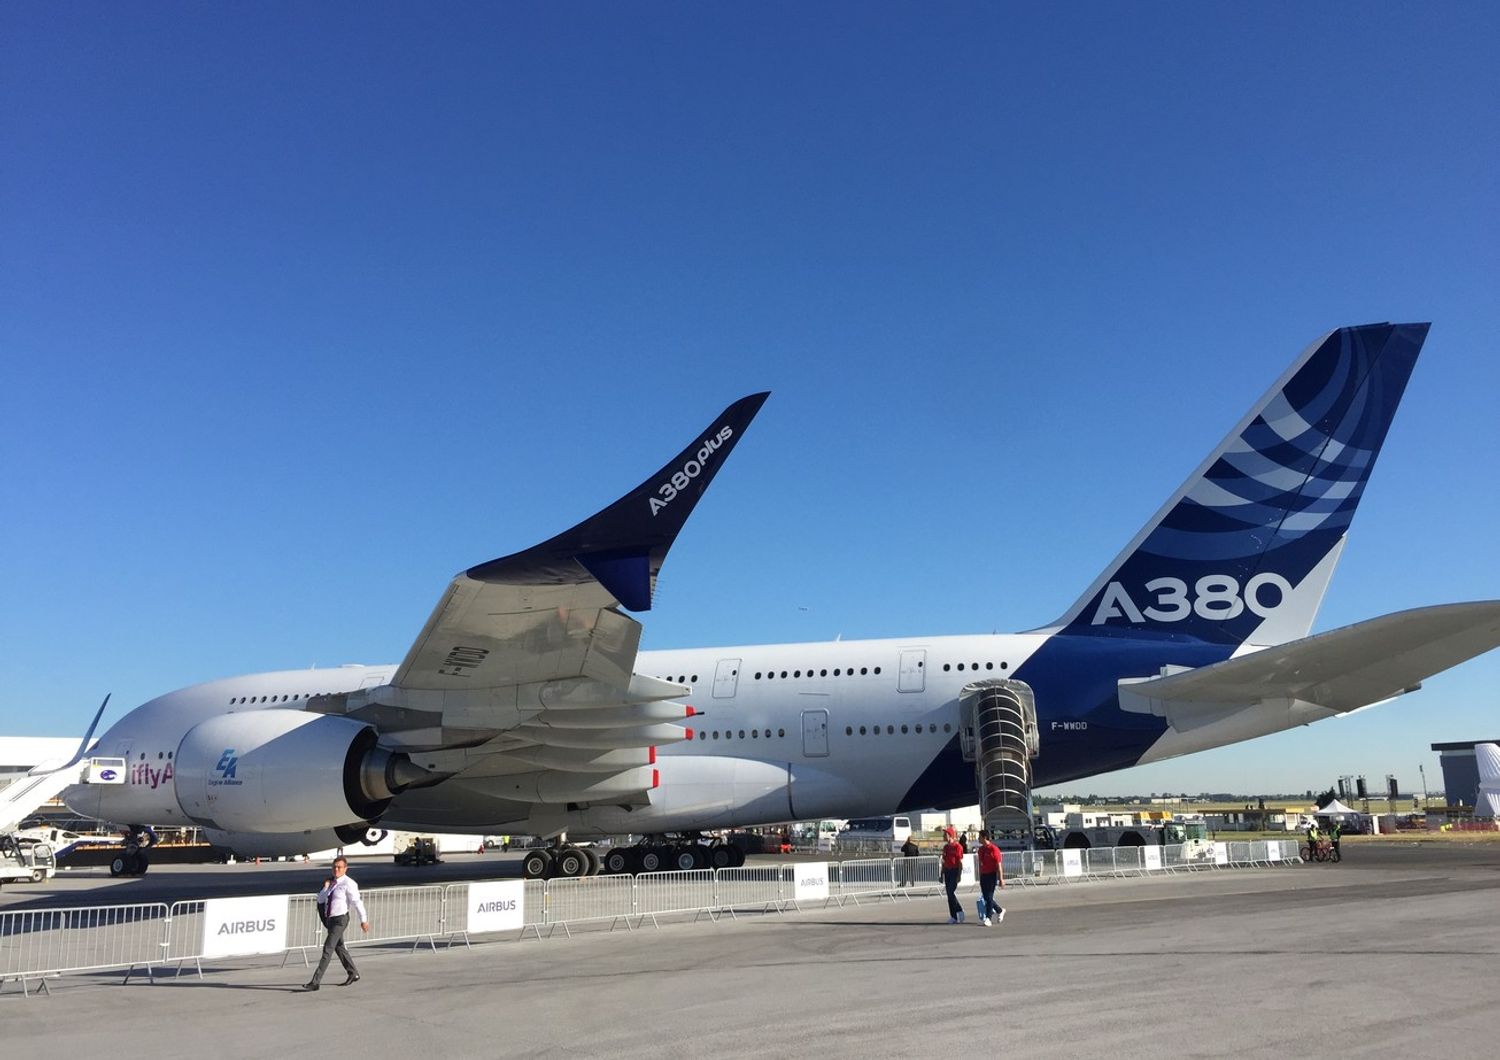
x,y
1244,550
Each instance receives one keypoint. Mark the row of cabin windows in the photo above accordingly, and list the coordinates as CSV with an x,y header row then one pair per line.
x,y
158,755
268,699
755,734
838,672
890,730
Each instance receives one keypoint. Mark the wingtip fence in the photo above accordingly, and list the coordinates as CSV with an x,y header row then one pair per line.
x,y
146,938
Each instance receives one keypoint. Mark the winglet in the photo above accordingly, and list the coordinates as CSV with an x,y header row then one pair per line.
x,y
624,546
83,745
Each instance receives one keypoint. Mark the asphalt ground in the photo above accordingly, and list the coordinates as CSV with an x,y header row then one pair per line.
x,y
1390,952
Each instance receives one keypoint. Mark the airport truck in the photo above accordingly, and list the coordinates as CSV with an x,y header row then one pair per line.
x,y
25,862
1191,835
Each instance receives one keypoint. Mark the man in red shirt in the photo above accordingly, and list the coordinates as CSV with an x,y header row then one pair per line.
x,y
991,873
953,870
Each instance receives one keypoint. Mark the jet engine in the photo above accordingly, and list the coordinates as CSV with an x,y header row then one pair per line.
x,y
286,771
353,837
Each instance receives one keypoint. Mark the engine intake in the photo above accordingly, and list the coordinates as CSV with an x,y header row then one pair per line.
x,y
286,771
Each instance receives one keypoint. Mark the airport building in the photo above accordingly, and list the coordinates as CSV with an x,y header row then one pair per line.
x,y
21,754
1460,771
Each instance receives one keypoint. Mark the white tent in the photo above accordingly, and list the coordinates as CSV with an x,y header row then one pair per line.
x,y
1487,757
1336,809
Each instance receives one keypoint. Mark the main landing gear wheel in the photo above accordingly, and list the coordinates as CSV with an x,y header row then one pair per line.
x,y
653,859
737,856
571,861
537,864
720,857
129,864
685,859
618,861
596,863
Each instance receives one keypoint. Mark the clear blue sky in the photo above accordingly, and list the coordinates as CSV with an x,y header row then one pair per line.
x,y
304,307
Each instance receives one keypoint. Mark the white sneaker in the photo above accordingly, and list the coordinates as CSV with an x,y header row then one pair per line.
x,y
999,917
985,921
960,916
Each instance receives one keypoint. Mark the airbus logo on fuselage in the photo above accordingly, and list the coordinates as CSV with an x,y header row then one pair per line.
x,y
690,470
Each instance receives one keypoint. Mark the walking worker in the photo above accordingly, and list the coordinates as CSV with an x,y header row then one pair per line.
x,y
338,896
953,870
991,874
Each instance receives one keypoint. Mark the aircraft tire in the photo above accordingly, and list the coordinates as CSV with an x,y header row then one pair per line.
x,y
117,865
720,857
571,862
618,861
683,859
537,865
596,863
142,863
653,859
736,856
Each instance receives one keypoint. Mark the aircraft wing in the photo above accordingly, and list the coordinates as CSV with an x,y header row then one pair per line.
x,y
531,655
1340,671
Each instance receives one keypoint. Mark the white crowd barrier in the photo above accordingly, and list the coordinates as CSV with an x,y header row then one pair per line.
x,y
38,945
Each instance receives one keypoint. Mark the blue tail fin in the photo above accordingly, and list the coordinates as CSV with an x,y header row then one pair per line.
x,y
1244,549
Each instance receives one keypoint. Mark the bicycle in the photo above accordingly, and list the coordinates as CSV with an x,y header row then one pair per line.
x,y
1324,851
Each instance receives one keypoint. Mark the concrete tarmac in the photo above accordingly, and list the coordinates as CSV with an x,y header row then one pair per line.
x,y
1391,952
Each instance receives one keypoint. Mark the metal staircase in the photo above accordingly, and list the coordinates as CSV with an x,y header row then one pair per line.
x,y
999,735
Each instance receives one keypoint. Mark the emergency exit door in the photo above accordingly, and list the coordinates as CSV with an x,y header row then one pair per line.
x,y
815,734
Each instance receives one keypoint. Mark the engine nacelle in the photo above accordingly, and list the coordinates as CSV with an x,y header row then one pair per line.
x,y
290,844
285,771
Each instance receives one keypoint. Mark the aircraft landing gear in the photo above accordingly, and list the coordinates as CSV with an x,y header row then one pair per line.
x,y
682,853
562,861
134,860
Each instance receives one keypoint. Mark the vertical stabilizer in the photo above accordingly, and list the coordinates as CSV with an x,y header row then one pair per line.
x,y
1244,549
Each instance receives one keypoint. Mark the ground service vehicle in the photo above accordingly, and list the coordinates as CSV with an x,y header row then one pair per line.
x,y
882,835
25,862
1191,834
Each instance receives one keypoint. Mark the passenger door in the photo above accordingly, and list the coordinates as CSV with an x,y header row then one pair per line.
x,y
912,674
815,734
726,678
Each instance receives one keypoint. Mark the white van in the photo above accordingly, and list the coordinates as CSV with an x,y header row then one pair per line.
x,y
882,835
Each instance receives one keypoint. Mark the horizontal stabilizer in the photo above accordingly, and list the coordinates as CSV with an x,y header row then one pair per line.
x,y
1341,670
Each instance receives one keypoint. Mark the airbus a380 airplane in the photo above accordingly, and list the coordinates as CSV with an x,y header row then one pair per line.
x,y
524,705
